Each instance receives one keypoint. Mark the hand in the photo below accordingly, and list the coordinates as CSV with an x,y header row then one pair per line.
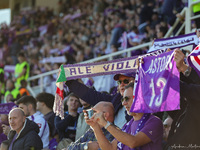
x,y
6,129
93,145
90,122
100,119
168,50
179,59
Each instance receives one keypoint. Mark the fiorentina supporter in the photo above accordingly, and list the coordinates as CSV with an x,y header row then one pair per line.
x,y
144,131
21,70
45,103
82,126
185,126
24,132
28,104
67,127
88,140
92,97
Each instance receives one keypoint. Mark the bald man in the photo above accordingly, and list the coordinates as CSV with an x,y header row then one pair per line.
x,y
24,133
88,140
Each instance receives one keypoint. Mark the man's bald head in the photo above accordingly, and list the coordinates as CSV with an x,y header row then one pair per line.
x,y
17,110
106,107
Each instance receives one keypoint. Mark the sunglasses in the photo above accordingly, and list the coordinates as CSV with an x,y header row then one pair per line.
x,y
125,81
126,99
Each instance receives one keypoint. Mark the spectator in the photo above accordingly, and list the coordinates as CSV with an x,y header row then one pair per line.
x,y
9,98
22,90
28,104
189,103
92,97
24,133
143,131
117,33
82,126
10,89
45,103
3,127
170,8
5,53
15,47
67,127
21,70
160,33
88,140
133,37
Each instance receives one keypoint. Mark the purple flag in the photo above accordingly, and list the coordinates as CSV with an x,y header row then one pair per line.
x,y
6,107
157,88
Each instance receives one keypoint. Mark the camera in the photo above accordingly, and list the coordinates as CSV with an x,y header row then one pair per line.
x,y
90,112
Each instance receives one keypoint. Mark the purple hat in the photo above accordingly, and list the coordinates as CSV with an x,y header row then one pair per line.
x,y
130,74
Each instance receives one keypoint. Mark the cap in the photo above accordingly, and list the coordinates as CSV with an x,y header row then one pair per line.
x,y
130,74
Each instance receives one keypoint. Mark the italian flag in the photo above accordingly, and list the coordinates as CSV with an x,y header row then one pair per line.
x,y
58,107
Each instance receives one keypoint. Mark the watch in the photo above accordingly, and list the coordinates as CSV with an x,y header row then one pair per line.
x,y
107,125
85,146
187,72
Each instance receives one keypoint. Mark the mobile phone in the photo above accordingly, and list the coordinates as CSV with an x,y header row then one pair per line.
x,y
90,113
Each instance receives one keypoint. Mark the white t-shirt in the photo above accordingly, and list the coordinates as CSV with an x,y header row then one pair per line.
x,y
44,127
120,118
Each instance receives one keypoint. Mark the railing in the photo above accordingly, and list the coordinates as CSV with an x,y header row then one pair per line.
x,y
187,12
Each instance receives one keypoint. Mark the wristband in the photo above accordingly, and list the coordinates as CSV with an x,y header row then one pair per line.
x,y
107,125
86,146
187,72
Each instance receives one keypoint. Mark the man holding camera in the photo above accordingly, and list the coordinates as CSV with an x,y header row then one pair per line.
x,y
88,140
92,96
144,131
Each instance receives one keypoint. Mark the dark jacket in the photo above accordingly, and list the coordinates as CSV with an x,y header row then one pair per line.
x,y
185,129
28,137
93,97
67,127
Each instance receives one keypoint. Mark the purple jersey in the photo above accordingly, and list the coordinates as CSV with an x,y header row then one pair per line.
x,y
153,128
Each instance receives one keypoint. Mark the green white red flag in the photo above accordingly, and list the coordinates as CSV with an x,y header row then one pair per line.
x,y
58,107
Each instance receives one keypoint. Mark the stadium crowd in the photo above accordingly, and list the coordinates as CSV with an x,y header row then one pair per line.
x,y
36,41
